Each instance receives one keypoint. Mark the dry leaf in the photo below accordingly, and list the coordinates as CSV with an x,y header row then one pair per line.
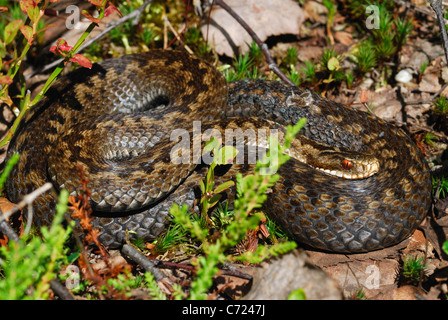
x,y
6,205
15,219
316,12
430,82
343,37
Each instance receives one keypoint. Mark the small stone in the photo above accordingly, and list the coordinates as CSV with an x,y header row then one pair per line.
x,y
430,83
404,76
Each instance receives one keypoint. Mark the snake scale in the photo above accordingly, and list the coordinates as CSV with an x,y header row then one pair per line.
x,y
116,121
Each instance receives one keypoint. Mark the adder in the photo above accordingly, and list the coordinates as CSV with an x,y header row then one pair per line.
x,y
355,183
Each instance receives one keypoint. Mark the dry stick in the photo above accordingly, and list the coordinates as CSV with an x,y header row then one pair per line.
x,y
142,260
272,65
415,8
139,258
230,271
6,229
178,34
168,23
430,100
437,7
27,200
60,290
134,14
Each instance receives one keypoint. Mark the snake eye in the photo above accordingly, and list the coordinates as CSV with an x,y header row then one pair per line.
x,y
347,164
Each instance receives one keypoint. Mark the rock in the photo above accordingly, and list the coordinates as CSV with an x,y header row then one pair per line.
x,y
390,110
445,74
417,59
430,82
265,17
432,50
278,278
366,83
404,76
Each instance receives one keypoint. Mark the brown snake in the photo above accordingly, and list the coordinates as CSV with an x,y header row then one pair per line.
x,y
116,121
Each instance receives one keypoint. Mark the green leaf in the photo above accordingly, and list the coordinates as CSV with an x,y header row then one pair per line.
x,y
214,199
9,165
298,294
27,32
209,179
2,52
31,8
226,155
10,31
445,247
211,145
33,13
333,64
224,186
202,186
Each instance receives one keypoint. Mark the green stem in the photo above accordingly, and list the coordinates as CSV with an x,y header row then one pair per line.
x,y
16,123
61,65
13,71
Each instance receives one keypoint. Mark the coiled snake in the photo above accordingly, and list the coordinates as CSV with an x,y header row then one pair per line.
x,y
117,120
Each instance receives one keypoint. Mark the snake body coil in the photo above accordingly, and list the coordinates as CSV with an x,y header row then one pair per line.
x,y
116,122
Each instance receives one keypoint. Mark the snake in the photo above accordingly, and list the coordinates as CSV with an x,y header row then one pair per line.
x,y
353,183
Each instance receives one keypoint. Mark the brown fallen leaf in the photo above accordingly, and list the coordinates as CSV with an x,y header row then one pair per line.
x,y
6,205
16,219
343,37
430,82
101,266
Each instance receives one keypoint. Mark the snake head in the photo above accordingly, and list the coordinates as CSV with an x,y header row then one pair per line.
x,y
347,165
352,165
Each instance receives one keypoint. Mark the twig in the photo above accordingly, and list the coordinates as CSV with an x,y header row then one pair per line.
x,y
168,23
236,272
230,271
178,34
272,65
27,200
6,229
430,100
415,8
419,127
437,7
134,14
164,283
60,290
143,261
